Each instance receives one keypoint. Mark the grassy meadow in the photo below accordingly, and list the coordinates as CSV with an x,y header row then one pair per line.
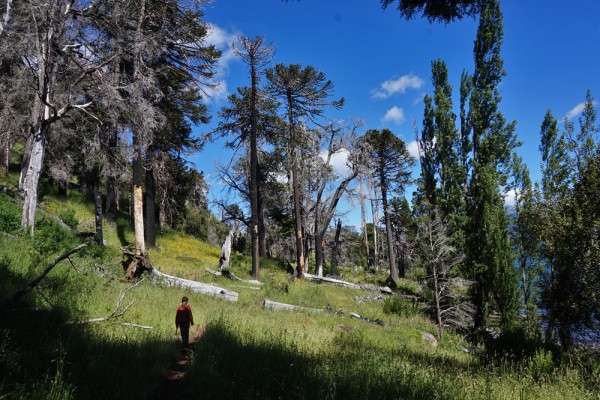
x,y
245,352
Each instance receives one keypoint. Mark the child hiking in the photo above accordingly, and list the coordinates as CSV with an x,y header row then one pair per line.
x,y
183,320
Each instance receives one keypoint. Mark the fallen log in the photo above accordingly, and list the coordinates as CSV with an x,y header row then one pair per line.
x,y
246,287
196,287
373,321
315,278
231,275
273,305
18,295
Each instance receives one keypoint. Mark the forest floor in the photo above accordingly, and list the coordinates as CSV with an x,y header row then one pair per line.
x,y
170,386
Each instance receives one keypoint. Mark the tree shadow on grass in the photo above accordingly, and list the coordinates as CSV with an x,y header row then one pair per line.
x,y
122,224
43,352
227,367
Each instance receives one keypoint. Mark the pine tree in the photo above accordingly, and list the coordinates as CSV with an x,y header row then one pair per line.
x,y
305,93
391,163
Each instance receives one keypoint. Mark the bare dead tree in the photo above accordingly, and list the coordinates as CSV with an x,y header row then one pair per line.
x,y
449,291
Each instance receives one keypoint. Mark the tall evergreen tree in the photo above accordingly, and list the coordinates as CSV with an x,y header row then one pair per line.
x,y
257,55
489,258
525,240
448,149
305,93
569,216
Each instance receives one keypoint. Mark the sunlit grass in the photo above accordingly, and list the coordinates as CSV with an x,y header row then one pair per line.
x,y
247,351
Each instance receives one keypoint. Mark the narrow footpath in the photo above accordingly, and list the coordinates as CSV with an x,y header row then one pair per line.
x,y
170,386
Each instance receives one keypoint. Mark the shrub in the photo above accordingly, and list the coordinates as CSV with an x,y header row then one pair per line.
x,y
51,238
68,217
541,364
10,215
513,344
399,306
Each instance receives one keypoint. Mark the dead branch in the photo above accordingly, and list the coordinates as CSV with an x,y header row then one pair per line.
x,y
41,292
120,302
136,325
115,313
373,321
18,295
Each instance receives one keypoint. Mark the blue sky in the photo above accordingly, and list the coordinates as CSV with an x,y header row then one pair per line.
x,y
381,63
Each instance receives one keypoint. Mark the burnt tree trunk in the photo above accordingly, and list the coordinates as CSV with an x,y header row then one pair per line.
x,y
334,251
111,182
98,211
150,209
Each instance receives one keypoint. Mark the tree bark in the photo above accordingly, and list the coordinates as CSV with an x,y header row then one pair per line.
x,y
295,155
273,305
5,153
375,217
363,219
390,236
98,211
226,252
150,208
111,182
319,256
337,282
334,251
262,231
138,196
323,218
31,181
197,287
6,16
254,218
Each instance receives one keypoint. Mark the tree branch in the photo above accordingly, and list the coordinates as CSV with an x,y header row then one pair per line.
x,y
18,295
114,313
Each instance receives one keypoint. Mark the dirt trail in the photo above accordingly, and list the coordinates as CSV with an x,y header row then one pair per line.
x,y
171,384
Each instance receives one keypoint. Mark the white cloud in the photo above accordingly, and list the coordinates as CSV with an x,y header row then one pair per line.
x,y
217,92
509,198
413,149
577,110
222,40
339,161
419,99
394,114
400,85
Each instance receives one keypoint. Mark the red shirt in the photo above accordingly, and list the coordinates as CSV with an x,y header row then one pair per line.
x,y
184,315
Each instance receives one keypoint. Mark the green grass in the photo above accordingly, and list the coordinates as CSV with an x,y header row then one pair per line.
x,y
246,352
